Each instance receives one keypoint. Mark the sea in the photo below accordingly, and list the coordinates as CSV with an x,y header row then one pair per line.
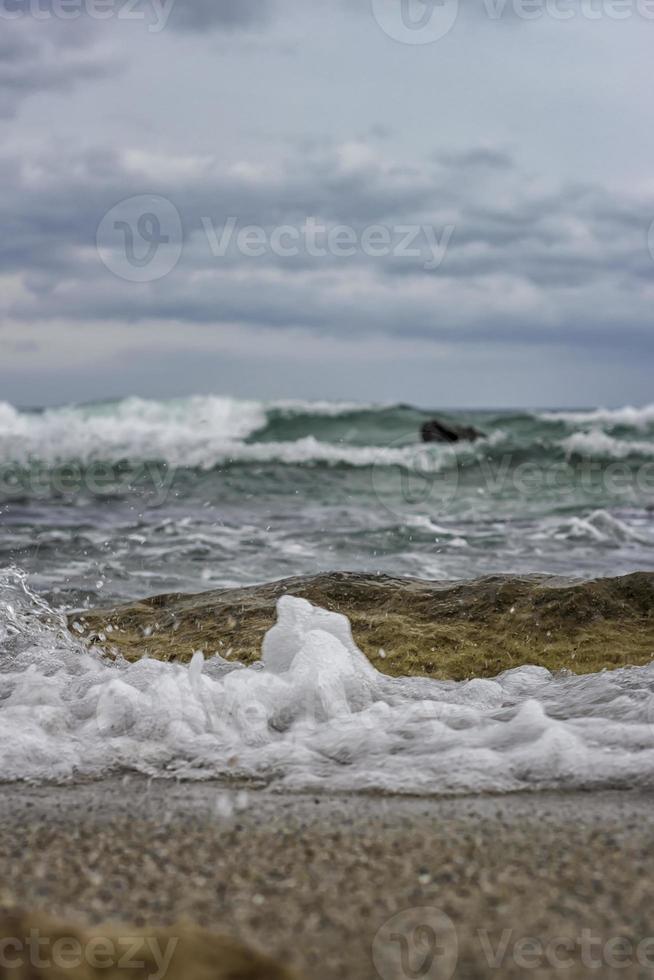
x,y
117,500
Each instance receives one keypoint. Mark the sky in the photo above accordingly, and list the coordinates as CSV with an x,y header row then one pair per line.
x,y
429,201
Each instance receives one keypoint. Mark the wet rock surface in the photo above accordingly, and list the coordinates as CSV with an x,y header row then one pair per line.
x,y
436,431
405,626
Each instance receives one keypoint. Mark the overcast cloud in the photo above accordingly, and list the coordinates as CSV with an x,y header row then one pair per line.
x,y
460,222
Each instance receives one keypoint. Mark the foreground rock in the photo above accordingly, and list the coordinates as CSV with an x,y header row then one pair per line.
x,y
181,952
405,626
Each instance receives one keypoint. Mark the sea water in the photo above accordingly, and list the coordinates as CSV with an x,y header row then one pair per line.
x,y
122,499
313,714
118,500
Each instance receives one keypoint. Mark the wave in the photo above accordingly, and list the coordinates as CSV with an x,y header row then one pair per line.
x,y
600,445
599,527
205,432
314,714
208,455
628,417
292,407
138,426
134,428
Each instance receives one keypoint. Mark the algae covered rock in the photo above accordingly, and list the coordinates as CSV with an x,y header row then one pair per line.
x,y
405,626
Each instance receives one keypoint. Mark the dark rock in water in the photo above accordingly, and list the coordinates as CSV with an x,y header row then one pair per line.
x,y
435,431
441,629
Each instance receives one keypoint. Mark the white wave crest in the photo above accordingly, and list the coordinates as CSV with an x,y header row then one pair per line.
x,y
637,418
328,409
598,444
133,428
314,714
599,527
202,431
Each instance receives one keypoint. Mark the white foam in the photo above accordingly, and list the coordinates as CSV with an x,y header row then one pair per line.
x,y
200,432
422,522
313,714
134,429
596,443
294,406
598,527
638,418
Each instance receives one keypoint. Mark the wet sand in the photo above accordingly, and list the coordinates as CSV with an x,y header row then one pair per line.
x,y
530,885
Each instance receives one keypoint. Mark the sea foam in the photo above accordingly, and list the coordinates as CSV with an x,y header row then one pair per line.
x,y
638,418
313,714
596,444
201,432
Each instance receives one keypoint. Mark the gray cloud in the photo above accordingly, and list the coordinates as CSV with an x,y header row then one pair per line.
x,y
547,264
46,53
200,15
194,15
478,158
48,56
569,266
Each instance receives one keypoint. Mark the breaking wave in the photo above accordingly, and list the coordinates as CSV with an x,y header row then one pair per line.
x,y
99,501
599,528
629,417
204,432
313,714
597,444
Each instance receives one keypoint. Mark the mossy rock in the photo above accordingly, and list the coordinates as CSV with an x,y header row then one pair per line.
x,y
405,626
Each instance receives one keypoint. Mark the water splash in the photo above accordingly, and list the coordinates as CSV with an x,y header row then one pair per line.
x,y
313,714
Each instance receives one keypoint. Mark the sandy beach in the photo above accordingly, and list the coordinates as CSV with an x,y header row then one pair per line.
x,y
546,884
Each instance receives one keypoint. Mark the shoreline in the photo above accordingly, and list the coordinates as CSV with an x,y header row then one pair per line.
x,y
310,880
